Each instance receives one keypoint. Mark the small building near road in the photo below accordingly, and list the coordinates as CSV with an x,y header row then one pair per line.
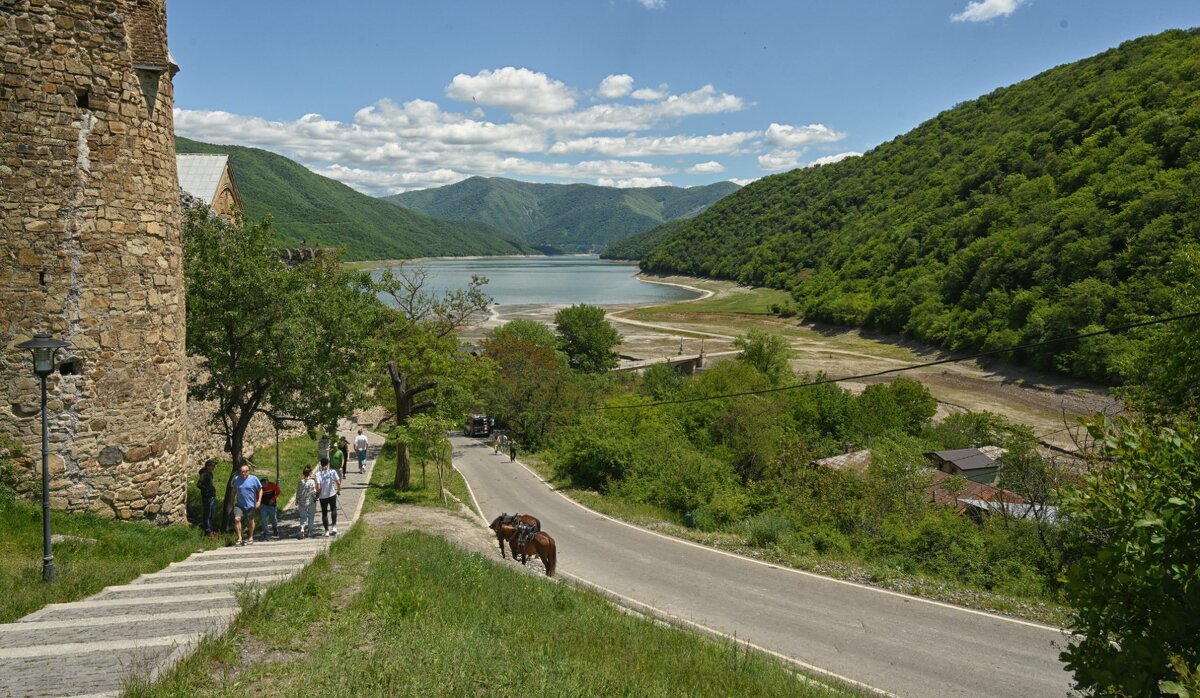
x,y
976,464
210,178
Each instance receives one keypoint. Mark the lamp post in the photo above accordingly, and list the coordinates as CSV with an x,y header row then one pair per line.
x,y
277,421
44,347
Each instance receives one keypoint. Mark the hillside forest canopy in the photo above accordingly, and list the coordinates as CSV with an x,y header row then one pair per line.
x,y
1046,209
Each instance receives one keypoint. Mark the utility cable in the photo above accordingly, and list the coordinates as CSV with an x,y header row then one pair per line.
x,y
913,367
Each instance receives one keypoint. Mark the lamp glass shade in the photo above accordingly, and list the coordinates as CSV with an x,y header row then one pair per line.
x,y
43,347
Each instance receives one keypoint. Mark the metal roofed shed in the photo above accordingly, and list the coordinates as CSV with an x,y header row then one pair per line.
x,y
976,464
209,178
854,461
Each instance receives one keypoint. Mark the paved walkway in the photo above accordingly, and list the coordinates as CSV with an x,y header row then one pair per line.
x,y
93,647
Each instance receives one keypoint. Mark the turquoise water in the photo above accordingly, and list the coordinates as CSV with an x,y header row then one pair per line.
x,y
552,280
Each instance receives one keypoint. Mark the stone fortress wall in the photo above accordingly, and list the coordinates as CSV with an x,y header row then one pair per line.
x,y
89,209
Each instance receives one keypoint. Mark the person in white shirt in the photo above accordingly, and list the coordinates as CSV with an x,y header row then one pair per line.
x,y
360,449
306,501
329,486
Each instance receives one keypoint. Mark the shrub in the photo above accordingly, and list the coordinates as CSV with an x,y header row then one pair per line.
x,y
1135,525
768,528
830,542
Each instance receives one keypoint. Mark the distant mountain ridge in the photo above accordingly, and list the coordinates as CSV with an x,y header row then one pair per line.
x,y
1049,208
565,217
315,211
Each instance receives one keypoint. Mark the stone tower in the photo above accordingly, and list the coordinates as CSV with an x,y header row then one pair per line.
x,y
89,209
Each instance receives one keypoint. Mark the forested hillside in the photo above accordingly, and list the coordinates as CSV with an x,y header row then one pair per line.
x,y
316,211
1043,209
567,217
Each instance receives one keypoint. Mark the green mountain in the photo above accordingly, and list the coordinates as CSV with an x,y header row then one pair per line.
x,y
315,211
638,246
566,217
1038,211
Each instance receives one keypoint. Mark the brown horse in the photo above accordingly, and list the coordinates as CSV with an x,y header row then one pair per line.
x,y
505,525
540,544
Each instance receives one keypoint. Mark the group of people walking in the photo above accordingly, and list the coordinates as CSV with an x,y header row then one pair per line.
x,y
256,498
503,444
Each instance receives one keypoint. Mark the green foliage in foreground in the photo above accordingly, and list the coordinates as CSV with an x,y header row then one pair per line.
x,y
567,217
1135,591
122,551
410,615
1041,210
314,211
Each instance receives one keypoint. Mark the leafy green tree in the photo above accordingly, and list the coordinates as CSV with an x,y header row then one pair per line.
x,y
528,330
419,367
768,352
1134,589
291,341
587,338
533,391
1164,376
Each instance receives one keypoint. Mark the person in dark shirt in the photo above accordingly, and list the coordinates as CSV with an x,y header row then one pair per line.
x,y
270,497
208,497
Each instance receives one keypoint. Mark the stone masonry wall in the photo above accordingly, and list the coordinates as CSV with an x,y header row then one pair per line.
x,y
89,210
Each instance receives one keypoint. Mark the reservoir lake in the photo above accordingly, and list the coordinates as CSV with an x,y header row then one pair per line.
x,y
551,280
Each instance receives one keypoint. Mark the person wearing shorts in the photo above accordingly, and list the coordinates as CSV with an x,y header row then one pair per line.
x,y
249,496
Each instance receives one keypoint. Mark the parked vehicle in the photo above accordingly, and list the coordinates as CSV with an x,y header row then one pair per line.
x,y
478,425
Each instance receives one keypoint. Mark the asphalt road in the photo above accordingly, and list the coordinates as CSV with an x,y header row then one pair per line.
x,y
889,642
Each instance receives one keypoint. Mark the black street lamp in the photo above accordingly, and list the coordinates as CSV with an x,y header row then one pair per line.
x,y
44,347
277,421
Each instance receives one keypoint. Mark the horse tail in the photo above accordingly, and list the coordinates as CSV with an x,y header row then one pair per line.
x,y
551,557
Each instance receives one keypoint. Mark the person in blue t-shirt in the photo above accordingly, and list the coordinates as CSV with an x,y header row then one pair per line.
x,y
249,497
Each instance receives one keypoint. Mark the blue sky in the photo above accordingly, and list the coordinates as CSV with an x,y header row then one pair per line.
x,y
393,96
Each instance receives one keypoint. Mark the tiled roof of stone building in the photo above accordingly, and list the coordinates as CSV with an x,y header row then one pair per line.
x,y
200,174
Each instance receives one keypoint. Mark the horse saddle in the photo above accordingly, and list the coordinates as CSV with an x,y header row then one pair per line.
x,y
524,533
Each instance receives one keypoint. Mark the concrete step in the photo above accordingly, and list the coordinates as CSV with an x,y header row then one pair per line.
x,y
93,667
94,608
173,574
244,563
132,627
165,589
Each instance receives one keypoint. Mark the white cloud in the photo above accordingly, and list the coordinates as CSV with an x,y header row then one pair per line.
x,y
647,94
633,146
390,182
983,10
830,159
710,167
785,136
516,89
633,182
615,86
653,4
639,117
532,129
743,182
780,160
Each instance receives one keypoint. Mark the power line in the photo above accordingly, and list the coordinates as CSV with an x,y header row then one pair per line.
x,y
912,367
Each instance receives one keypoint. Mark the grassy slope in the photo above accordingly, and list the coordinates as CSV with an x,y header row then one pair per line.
x,y
410,615
313,210
570,216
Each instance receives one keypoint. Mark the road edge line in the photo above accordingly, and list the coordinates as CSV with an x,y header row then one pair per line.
x,y
672,619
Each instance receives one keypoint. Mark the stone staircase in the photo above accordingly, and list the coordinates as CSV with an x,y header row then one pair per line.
x,y
94,647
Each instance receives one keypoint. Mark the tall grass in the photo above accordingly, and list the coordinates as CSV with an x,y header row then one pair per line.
x,y
410,615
